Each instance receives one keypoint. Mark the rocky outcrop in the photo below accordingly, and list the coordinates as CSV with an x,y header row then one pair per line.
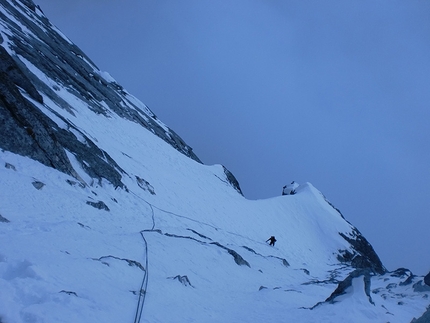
x,y
425,318
405,274
362,255
38,185
238,259
99,205
145,185
346,284
31,47
3,219
27,131
427,279
105,260
182,279
232,180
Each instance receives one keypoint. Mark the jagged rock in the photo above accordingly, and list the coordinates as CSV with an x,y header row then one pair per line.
x,y
251,250
30,4
145,185
131,263
403,273
305,271
16,77
284,261
4,220
363,255
337,210
420,287
232,180
99,205
400,272
10,166
38,185
73,183
425,318
69,292
237,258
427,279
290,189
347,282
408,280
28,131
182,279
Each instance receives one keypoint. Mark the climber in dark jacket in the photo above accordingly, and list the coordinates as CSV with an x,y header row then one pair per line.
x,y
272,240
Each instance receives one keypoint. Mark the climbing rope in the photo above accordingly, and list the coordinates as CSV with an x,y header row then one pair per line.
x,y
144,284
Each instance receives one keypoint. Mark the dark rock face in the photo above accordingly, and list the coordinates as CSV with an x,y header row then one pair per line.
x,y
25,129
420,287
99,205
182,279
347,283
2,219
145,185
38,185
10,166
425,318
363,255
232,180
405,274
238,259
427,279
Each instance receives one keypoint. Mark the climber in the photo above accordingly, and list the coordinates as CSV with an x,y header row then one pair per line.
x,y
290,189
272,240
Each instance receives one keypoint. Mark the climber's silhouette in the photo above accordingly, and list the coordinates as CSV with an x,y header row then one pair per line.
x,y
272,240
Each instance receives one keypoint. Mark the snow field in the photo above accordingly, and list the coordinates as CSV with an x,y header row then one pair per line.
x,y
200,245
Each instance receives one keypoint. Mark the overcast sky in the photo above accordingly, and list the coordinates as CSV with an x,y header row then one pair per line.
x,y
335,93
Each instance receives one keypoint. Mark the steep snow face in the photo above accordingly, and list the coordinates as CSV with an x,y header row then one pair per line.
x,y
42,71
104,217
80,253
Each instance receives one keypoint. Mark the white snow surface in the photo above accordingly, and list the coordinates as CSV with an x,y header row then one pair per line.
x,y
163,251
63,260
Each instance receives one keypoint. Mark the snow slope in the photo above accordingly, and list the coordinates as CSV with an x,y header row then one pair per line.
x,y
66,261
176,243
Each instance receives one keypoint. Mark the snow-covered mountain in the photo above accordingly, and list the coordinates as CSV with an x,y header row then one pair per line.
x,y
107,215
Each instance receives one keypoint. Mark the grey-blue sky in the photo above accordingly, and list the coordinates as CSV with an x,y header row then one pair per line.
x,y
331,92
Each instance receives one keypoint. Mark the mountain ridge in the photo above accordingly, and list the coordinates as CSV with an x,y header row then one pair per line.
x,y
100,197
